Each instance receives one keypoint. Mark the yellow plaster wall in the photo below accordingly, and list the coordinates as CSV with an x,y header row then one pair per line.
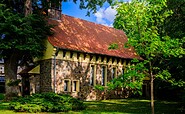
x,y
81,57
50,51
35,70
48,54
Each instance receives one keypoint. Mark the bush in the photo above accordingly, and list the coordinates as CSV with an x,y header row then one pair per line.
x,y
2,96
46,102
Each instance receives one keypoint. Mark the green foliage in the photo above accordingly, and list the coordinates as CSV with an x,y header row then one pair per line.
x,y
2,96
113,46
25,34
131,80
118,106
99,87
147,36
90,5
175,24
46,102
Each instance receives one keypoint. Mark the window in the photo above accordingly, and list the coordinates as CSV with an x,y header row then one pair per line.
x,y
67,85
103,73
113,73
71,85
92,75
75,86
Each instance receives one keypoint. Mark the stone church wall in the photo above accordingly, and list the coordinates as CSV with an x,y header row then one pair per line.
x,y
73,73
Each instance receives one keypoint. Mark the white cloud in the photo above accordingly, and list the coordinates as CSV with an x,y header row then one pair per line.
x,y
110,14
105,16
99,16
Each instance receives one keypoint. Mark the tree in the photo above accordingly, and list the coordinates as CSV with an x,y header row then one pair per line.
x,y
21,37
143,22
23,29
175,24
132,79
174,27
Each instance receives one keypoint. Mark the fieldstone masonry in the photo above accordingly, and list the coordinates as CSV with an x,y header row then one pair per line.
x,y
78,72
46,76
74,73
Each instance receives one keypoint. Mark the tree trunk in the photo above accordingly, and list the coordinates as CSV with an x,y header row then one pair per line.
x,y
10,65
152,93
27,7
152,88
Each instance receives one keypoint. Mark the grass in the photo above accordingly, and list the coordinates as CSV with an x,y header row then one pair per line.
x,y
132,106
120,106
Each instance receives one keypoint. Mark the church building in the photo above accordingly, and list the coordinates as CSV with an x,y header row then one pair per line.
x,y
78,57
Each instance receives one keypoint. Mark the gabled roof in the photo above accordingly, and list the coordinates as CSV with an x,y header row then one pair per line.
x,y
76,34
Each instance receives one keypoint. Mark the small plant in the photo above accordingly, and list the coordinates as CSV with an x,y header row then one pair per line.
x,y
113,46
46,102
99,87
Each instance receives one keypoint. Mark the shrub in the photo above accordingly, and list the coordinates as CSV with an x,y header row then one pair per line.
x,y
46,102
2,96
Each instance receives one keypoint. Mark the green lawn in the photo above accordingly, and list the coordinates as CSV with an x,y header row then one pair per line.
x,y
121,106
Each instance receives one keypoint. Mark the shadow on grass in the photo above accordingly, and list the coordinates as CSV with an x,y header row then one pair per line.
x,y
133,106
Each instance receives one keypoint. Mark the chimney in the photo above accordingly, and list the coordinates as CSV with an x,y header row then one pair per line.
x,y
54,11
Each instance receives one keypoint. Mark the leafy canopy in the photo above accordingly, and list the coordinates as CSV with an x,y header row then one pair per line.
x,y
25,34
143,22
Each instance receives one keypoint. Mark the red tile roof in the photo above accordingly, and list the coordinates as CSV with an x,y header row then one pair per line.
x,y
80,35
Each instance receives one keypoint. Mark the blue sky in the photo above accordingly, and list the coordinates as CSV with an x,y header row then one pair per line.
x,y
72,9
104,15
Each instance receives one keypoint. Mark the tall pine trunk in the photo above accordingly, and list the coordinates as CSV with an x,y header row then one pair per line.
x,y
10,65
